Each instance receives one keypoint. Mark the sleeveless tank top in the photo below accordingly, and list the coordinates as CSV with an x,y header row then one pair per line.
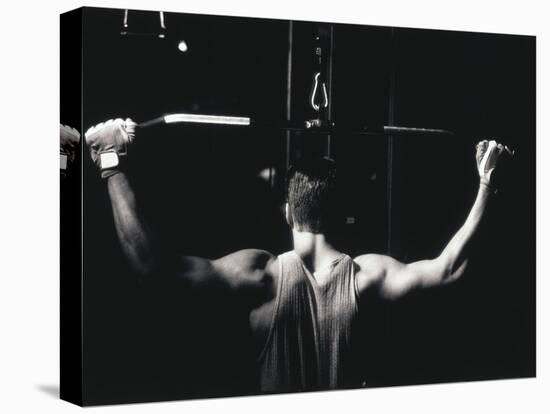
x,y
308,346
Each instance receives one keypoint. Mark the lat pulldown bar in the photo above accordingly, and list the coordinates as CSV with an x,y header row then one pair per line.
x,y
242,121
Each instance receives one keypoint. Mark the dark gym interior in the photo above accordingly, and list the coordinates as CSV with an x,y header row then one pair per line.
x,y
209,190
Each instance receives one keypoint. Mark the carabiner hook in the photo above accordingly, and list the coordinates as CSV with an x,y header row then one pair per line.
x,y
314,93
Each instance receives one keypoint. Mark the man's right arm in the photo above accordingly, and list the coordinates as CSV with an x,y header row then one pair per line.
x,y
244,274
108,144
134,239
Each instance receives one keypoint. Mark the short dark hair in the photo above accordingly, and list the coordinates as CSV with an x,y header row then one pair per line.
x,y
312,195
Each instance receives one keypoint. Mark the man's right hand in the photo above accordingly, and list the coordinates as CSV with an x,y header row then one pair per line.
x,y
108,143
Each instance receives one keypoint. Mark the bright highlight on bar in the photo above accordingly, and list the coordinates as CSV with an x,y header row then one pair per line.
x,y
207,119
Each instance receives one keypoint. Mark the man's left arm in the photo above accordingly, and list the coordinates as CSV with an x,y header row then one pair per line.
x,y
394,279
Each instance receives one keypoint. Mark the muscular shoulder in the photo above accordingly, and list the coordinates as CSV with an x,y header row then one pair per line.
x,y
371,269
245,261
249,272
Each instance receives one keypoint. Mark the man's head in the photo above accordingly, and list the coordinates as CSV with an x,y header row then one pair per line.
x,y
312,195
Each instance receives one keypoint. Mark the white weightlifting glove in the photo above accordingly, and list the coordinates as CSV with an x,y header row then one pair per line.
x,y
108,143
487,155
68,139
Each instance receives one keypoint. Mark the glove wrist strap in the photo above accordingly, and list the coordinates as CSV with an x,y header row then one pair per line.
x,y
109,163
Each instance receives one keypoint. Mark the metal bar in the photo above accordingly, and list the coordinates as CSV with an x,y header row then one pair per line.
x,y
126,32
399,130
152,122
288,92
389,130
198,119
207,119
330,88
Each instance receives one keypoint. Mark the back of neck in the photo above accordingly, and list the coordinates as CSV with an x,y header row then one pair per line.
x,y
314,249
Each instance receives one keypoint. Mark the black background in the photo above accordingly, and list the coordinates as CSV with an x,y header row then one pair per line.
x,y
200,192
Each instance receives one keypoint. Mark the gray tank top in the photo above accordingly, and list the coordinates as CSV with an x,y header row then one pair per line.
x,y
308,346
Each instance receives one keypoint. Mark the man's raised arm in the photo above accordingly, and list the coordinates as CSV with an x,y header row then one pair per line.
x,y
108,143
243,273
394,279
134,238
